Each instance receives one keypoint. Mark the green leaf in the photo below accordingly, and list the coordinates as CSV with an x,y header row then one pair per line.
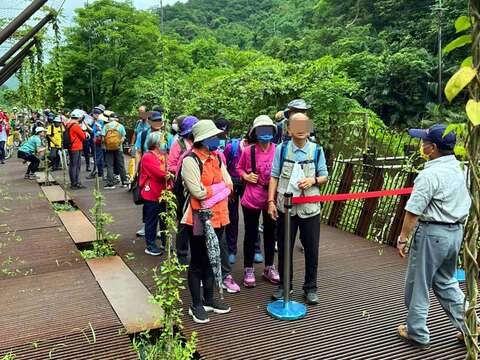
x,y
468,62
473,111
458,81
463,23
458,42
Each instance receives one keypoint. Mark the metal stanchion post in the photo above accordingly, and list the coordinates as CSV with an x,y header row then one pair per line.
x,y
287,309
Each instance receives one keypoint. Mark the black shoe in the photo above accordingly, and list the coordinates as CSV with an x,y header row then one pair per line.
x,y
278,294
2,162
88,169
183,260
198,314
91,176
311,298
80,186
217,306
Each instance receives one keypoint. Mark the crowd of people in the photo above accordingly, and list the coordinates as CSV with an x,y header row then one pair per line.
x,y
206,168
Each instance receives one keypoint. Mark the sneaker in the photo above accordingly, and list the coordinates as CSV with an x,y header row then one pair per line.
x,y
258,258
27,177
80,186
153,252
278,294
230,285
91,176
159,234
125,185
141,232
403,334
271,274
198,314
217,306
2,162
232,259
249,277
109,187
311,298
260,228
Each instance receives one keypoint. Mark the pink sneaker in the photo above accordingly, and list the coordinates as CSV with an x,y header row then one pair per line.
x,y
271,274
230,285
249,277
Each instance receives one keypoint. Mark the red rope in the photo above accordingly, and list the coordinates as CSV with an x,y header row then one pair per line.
x,y
352,196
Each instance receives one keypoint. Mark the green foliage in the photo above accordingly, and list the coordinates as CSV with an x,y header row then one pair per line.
x,y
9,356
59,207
170,344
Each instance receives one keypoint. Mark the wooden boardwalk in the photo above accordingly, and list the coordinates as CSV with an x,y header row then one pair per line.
x,y
360,288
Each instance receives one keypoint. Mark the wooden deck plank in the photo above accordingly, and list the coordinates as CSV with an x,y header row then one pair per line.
x,y
127,295
54,193
78,226
41,178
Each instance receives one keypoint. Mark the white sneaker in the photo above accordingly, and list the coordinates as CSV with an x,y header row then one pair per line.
x,y
141,232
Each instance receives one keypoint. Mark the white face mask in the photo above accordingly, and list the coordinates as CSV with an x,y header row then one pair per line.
x,y
175,127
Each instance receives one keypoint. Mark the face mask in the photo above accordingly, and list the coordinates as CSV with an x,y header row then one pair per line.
x,y
212,144
265,138
175,127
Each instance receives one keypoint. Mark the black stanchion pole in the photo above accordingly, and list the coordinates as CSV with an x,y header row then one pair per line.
x,y
286,258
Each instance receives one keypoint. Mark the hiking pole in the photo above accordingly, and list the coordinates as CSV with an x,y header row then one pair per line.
x,y
287,309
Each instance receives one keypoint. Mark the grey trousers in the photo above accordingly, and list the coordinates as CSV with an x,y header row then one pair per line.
x,y
74,167
115,159
431,265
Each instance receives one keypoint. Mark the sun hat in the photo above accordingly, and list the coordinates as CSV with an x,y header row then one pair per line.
x,y
205,129
57,119
77,114
262,120
40,129
107,114
99,109
114,116
434,134
187,124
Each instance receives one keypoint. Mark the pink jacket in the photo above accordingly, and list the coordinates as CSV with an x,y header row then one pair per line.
x,y
175,155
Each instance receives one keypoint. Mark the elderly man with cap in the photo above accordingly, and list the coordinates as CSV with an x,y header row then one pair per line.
x,y
435,213
77,137
293,107
30,150
114,134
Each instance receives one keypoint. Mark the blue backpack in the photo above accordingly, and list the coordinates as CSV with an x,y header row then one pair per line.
x,y
234,152
283,156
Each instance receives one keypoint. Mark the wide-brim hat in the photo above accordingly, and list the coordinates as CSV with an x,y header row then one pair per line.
x,y
187,125
205,129
262,120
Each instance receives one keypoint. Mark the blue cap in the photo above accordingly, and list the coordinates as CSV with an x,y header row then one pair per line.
x,y
434,134
155,116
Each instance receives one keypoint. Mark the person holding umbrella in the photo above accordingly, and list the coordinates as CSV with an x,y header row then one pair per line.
x,y
208,185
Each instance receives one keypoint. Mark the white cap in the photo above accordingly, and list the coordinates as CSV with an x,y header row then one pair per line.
x,y
39,129
77,114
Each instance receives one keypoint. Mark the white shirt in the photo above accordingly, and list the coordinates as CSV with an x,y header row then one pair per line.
x,y
3,133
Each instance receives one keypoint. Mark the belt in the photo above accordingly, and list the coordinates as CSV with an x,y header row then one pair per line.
x,y
440,223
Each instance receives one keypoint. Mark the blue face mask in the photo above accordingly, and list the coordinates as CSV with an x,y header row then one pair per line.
x,y
265,138
212,144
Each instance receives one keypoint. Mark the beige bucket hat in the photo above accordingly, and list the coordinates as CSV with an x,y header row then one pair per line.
x,y
205,129
262,120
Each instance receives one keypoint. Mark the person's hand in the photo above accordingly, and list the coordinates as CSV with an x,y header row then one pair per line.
x,y
87,135
401,247
251,178
272,210
306,183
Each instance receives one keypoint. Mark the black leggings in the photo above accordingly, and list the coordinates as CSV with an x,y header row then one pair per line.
x,y
34,161
251,219
200,268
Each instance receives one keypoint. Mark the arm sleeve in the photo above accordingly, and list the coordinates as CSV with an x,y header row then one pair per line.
x,y
174,157
191,177
422,194
242,163
276,162
151,167
322,164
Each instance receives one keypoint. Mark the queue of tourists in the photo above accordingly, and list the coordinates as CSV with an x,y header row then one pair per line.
x,y
207,169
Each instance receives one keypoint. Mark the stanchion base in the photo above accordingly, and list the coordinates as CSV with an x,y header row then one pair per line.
x,y
292,311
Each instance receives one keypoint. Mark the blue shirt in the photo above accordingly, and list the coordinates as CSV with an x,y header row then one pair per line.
x,y
32,145
299,154
141,127
138,141
98,128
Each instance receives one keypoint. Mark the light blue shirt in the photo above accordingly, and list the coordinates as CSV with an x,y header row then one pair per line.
x,y
138,141
440,192
299,154
141,127
118,126
32,145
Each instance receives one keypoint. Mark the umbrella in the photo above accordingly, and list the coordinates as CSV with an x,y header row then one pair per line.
x,y
213,247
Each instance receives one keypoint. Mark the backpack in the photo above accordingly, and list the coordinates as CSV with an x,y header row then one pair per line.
x,y
113,138
234,152
179,189
283,155
66,141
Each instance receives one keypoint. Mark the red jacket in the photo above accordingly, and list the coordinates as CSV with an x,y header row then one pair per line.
x,y
77,136
152,176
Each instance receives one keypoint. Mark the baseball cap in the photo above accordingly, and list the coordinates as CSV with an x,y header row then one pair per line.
x,y
77,114
435,135
298,104
39,129
155,116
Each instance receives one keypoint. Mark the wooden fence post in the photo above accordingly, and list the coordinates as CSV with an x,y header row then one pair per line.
x,y
344,187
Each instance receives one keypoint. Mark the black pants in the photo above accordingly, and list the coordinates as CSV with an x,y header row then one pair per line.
x,y
200,268
32,159
181,241
88,151
115,159
74,168
151,212
55,158
310,239
2,150
251,219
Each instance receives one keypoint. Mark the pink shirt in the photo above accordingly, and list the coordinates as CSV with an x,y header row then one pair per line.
x,y
256,195
175,155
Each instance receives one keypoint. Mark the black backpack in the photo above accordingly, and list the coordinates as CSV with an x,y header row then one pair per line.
x,y
66,141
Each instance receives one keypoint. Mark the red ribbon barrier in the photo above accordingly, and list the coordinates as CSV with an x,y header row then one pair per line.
x,y
352,196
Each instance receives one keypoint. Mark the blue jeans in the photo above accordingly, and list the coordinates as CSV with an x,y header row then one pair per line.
x,y
151,212
431,265
99,163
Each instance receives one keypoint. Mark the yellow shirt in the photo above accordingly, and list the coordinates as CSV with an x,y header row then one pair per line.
x,y
54,134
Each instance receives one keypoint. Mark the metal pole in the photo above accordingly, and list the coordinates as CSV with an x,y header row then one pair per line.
x,y
286,253
440,60
16,62
24,39
20,19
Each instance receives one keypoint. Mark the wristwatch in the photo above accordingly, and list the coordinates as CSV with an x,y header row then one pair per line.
x,y
399,241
